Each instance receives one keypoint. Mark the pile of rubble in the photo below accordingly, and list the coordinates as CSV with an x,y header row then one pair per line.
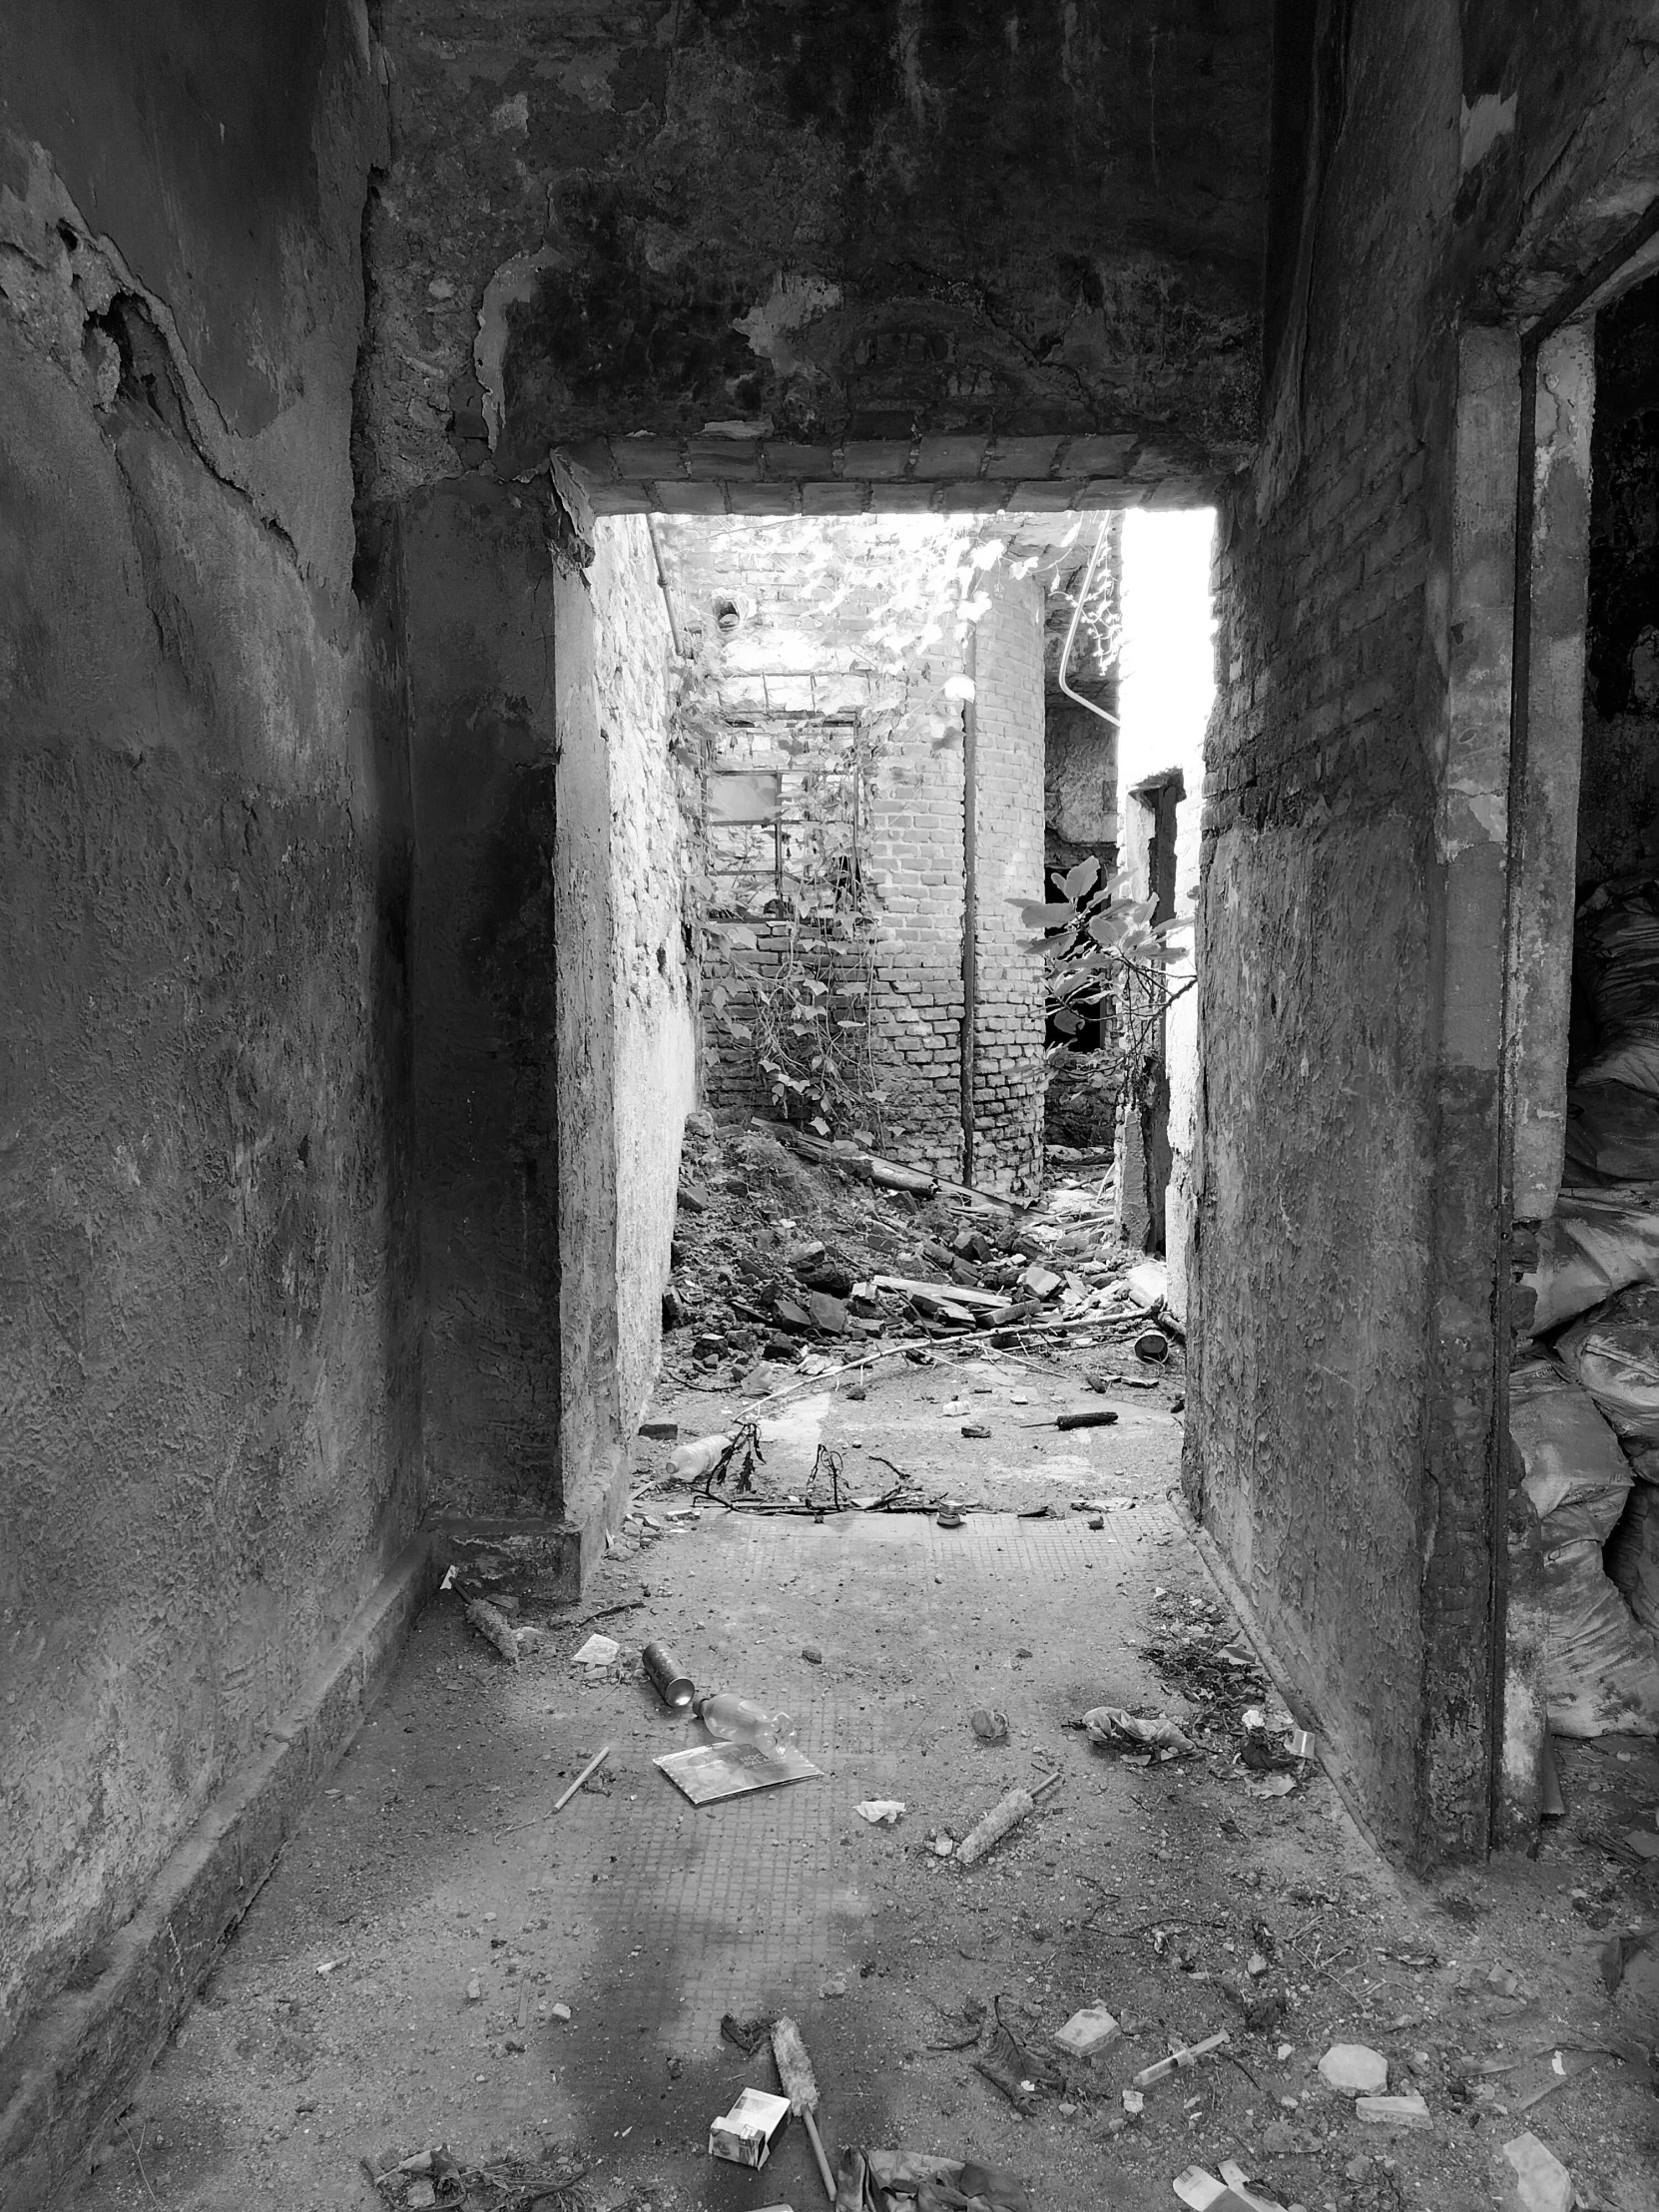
x,y
784,1245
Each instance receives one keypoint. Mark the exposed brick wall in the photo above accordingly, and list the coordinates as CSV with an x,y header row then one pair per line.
x,y
912,840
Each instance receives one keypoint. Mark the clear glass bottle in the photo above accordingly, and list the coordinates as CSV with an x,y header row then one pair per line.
x,y
731,1719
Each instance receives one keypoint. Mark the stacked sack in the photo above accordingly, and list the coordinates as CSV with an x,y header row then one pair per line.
x,y
1600,1663
1613,1107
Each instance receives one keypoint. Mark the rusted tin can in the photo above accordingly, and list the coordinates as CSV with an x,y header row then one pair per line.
x,y
668,1679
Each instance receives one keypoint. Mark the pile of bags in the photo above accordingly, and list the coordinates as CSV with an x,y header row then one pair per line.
x,y
1584,1416
1613,1107
1600,1660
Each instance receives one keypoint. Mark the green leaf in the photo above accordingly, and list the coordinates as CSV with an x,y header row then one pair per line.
x,y
1080,879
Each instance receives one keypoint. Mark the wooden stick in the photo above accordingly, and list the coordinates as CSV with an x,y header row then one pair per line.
x,y
824,2175
593,1766
932,1343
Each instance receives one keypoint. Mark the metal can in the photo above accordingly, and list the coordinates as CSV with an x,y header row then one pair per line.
x,y
671,1684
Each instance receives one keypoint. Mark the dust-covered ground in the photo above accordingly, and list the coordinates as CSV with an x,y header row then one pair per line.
x,y
442,1964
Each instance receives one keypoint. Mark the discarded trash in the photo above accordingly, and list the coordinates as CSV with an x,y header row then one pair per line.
x,y
698,1456
877,2177
1618,1950
744,2135
1152,1346
883,1812
1006,1814
737,1720
950,1517
988,1724
1187,2055
1088,2032
1111,1725
975,1430
1542,2183
1093,1416
812,1654
1262,2010
942,1844
668,1678
961,2029
1134,2103
1204,2193
1148,1284
1354,2070
1015,2068
1399,2111
420,2194
593,1766
598,1651
494,1627
1270,1785
748,2036
710,1772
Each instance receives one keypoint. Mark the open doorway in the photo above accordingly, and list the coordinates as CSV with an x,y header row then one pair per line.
x,y
943,772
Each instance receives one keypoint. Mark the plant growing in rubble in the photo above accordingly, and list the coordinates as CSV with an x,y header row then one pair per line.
x,y
806,1022
1102,951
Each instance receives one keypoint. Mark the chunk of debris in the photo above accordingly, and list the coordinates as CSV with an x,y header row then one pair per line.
x,y
883,1812
1395,2112
1354,2070
1087,2033
1542,2183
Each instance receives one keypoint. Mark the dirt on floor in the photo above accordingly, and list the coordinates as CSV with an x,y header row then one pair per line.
x,y
549,2007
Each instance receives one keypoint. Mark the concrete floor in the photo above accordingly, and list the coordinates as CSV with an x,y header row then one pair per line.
x,y
340,2028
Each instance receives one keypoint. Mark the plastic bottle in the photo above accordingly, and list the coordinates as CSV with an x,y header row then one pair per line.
x,y
731,1719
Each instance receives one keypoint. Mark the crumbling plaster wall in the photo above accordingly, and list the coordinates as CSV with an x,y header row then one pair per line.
x,y
654,801
984,235
480,598
207,1260
625,1035
1346,1242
